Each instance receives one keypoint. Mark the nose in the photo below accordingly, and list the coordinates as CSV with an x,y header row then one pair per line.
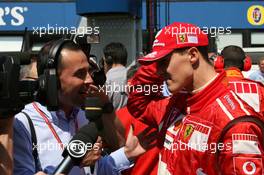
x,y
88,79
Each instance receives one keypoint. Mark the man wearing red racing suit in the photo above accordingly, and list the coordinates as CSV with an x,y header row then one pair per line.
x,y
250,91
191,121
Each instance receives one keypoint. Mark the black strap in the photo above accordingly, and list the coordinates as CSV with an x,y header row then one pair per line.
x,y
252,119
34,143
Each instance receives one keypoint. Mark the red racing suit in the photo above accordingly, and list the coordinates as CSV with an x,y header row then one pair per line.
x,y
250,91
191,124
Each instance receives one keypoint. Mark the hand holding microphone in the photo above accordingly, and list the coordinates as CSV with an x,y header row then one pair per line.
x,y
77,148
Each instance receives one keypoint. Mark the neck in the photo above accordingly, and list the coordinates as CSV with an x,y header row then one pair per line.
x,y
66,109
113,66
117,65
203,76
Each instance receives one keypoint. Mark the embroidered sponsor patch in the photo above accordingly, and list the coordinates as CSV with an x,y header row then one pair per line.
x,y
195,135
171,132
247,166
187,38
247,91
188,131
245,144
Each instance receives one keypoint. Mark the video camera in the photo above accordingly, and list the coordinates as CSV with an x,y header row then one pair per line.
x,y
14,94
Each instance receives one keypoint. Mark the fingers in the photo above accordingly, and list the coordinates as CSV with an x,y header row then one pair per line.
x,y
131,130
99,139
94,154
91,157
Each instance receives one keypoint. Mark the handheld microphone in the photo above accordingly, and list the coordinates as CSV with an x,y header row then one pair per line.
x,y
77,148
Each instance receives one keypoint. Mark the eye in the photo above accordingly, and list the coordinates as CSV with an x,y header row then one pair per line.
x,y
81,73
91,70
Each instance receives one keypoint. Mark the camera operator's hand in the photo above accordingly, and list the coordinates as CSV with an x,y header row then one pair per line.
x,y
6,145
137,145
93,155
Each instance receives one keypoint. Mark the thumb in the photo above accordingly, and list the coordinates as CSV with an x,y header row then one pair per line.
x,y
130,134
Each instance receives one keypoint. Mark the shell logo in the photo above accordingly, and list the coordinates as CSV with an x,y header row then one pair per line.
x,y
255,15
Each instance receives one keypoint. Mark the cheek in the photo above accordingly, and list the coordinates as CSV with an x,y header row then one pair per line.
x,y
70,85
180,73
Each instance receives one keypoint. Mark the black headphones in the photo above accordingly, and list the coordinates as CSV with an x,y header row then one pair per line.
x,y
48,80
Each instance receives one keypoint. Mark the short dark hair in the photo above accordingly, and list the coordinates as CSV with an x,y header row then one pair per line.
x,y
233,57
115,53
44,54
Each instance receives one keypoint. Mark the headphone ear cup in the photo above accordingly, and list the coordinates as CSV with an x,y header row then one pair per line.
x,y
247,63
219,63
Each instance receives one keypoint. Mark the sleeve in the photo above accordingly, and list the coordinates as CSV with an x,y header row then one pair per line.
x,y
23,158
145,95
261,98
243,150
114,163
253,76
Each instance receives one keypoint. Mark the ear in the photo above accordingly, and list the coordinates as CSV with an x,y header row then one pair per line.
x,y
193,55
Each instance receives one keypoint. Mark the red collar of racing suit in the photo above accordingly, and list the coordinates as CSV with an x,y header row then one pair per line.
x,y
209,94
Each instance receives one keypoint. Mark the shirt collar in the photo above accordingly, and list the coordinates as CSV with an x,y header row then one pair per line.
x,y
115,69
234,72
61,114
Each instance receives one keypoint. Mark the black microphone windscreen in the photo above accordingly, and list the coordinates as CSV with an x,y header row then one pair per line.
x,y
87,134
93,108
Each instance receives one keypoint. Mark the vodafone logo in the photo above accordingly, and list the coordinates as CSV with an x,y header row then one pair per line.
x,y
249,167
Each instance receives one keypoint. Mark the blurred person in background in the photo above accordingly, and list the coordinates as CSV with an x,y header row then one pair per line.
x,y
29,72
6,144
114,62
234,60
258,75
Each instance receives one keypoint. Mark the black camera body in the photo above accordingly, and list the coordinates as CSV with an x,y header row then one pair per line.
x,y
14,94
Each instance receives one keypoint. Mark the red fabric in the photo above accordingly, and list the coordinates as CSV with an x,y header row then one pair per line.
x,y
250,91
174,36
198,121
148,162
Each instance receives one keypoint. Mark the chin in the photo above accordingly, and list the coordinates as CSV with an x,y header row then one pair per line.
x,y
174,90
